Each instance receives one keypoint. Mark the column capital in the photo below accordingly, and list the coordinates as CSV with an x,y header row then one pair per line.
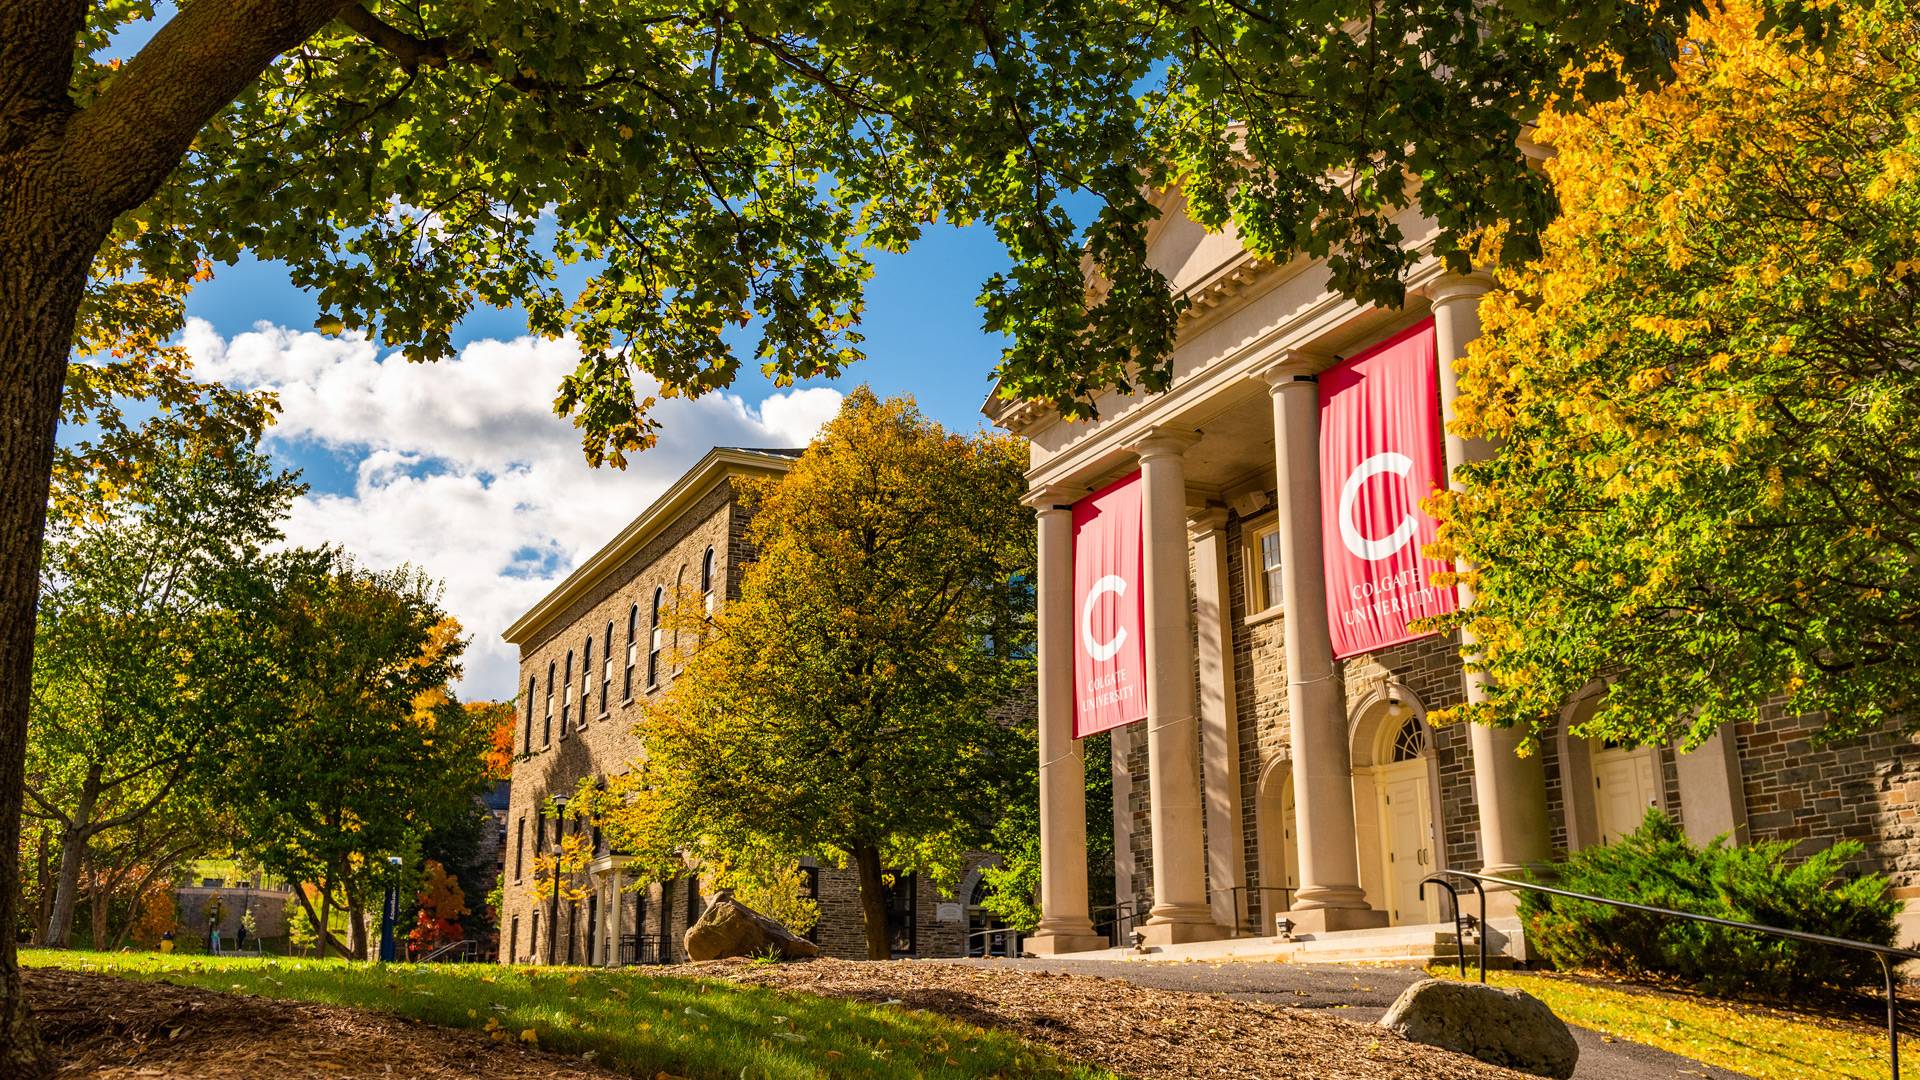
x,y
1453,288
1206,521
1053,497
1293,367
1164,441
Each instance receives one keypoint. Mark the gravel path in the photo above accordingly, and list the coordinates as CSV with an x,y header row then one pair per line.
x,y
1360,993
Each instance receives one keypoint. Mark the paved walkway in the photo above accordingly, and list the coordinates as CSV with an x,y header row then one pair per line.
x,y
1362,994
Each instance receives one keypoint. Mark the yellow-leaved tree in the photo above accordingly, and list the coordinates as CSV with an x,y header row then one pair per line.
x,y
1706,394
851,704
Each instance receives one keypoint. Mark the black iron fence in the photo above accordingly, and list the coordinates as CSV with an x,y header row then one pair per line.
x,y
645,949
1887,955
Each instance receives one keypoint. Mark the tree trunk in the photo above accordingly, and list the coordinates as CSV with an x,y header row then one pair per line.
x,y
46,245
73,849
325,934
873,902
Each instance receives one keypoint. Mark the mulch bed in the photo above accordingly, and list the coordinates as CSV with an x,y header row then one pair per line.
x,y
101,1026
1130,1029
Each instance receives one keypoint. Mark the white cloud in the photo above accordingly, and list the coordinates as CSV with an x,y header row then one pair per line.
x,y
464,470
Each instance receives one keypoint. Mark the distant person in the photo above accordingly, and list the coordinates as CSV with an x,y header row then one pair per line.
x,y
213,939
240,938
166,942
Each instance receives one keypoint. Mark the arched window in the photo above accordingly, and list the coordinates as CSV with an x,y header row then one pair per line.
x,y
706,582
606,669
586,679
653,640
546,735
633,650
566,695
680,610
533,686
1411,742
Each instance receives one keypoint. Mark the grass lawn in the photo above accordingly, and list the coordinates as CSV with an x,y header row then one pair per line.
x,y
1755,1040
627,1021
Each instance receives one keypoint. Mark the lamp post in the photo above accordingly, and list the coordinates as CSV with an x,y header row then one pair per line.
x,y
553,912
391,912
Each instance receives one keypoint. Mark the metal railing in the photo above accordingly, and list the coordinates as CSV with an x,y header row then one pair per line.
x,y
1243,907
467,950
645,949
1123,919
1886,954
1006,937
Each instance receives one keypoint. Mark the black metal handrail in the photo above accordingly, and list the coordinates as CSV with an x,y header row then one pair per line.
x,y
1883,952
1006,935
1123,919
1243,907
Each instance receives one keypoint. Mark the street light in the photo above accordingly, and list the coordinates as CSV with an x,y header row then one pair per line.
x,y
553,913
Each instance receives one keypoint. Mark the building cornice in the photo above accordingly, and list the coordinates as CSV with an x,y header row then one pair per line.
x,y
720,463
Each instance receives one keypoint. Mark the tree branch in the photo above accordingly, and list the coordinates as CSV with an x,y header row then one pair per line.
x,y
119,149
36,62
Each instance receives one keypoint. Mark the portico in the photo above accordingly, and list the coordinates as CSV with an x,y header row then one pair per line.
x,y
1278,778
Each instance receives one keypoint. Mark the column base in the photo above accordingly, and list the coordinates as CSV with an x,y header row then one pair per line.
x,y
1181,933
1327,920
1045,943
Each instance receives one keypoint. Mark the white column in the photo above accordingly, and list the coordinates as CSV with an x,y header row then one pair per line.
x,y
1510,791
1064,922
1180,911
1123,865
1219,717
1713,801
613,905
1329,896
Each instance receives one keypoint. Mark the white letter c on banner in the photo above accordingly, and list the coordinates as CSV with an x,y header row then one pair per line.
x,y
1350,534
1101,651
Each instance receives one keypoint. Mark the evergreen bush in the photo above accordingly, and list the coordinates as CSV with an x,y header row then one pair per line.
x,y
1758,883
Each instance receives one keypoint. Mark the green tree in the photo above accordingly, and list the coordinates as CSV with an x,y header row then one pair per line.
x,y
1705,398
1013,884
848,705
352,746
720,164
139,657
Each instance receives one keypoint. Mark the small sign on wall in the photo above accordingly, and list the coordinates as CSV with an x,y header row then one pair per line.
x,y
950,913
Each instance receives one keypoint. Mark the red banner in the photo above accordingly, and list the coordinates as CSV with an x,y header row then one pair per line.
x,y
1109,610
1381,453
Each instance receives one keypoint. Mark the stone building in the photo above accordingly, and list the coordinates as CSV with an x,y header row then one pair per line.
x,y
591,653
1270,778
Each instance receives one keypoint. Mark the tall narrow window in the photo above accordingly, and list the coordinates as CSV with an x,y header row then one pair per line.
x,y
546,738
586,679
566,692
513,942
633,651
520,848
606,669
679,608
539,834
653,639
1262,554
533,686
533,942
706,582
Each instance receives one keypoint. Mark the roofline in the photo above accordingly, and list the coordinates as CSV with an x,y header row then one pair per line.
x,y
718,464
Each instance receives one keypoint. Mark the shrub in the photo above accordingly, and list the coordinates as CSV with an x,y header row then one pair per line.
x,y
1757,883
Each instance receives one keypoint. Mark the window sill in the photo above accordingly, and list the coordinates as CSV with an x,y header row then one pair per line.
x,y
1269,615
603,716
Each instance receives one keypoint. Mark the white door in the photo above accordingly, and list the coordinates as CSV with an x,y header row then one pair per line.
x,y
1623,790
1407,821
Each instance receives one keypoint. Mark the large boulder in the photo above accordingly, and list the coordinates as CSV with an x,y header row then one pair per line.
x,y
731,928
1500,1027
